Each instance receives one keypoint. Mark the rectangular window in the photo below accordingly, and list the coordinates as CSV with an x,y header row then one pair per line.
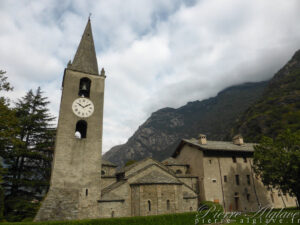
x,y
248,197
234,159
210,161
248,179
272,198
245,159
214,180
225,178
237,179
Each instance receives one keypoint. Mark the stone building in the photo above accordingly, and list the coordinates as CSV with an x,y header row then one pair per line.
x,y
225,175
85,186
75,178
146,188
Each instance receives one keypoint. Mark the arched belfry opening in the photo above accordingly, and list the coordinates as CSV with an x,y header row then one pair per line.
x,y
84,87
81,128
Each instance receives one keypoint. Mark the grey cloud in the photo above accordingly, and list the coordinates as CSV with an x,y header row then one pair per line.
x,y
156,53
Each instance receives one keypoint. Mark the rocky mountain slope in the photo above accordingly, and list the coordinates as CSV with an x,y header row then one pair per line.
x,y
161,133
278,108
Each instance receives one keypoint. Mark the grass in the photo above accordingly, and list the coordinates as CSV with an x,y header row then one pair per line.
x,y
169,219
270,217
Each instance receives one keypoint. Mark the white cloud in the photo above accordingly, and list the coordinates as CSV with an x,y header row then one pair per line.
x,y
156,53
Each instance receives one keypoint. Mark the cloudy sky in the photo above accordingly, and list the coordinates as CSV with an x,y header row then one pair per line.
x,y
156,53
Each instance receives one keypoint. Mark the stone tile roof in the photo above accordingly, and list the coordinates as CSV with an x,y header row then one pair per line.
x,y
123,181
127,168
112,186
186,176
108,163
222,145
85,59
156,177
173,162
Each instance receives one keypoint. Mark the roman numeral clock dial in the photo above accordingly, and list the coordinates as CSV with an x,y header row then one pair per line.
x,y
83,107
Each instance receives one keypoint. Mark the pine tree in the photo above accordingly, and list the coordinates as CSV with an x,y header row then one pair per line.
x,y
28,160
8,127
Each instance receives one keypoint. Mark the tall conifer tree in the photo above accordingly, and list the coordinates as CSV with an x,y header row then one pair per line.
x,y
28,161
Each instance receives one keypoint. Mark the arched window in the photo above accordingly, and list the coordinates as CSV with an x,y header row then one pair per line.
x,y
178,172
168,204
81,127
84,87
149,205
102,172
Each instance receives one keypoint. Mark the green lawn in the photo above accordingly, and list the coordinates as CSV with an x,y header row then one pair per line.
x,y
273,217
170,219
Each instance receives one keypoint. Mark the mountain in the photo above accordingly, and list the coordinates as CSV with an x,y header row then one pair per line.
x,y
278,108
161,133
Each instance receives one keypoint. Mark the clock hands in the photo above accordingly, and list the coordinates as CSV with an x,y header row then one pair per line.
x,y
80,105
86,105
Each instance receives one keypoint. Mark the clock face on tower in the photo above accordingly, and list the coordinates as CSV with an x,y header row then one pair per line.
x,y
83,107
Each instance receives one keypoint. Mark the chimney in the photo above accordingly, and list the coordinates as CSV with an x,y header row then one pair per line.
x,y
202,139
238,139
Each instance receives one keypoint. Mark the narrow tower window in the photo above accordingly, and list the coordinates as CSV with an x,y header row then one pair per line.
x,y
86,192
168,204
248,179
237,179
225,178
149,205
84,87
81,127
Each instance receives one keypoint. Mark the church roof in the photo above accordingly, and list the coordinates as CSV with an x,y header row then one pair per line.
x,y
85,59
156,177
173,162
107,163
215,146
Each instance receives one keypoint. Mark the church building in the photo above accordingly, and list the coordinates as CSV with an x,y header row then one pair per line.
x,y
83,186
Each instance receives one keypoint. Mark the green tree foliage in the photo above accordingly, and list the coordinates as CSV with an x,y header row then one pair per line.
x,y
279,107
8,127
277,162
1,194
28,159
4,84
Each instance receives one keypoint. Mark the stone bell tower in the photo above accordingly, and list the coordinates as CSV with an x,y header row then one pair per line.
x,y
75,179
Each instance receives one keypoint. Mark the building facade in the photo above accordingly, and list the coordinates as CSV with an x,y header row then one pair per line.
x,y
225,174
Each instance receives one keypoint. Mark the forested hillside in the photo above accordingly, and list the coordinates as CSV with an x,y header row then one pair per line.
x,y
278,108
160,134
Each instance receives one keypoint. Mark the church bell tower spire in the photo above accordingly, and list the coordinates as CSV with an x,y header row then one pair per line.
x,y
85,59
76,171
